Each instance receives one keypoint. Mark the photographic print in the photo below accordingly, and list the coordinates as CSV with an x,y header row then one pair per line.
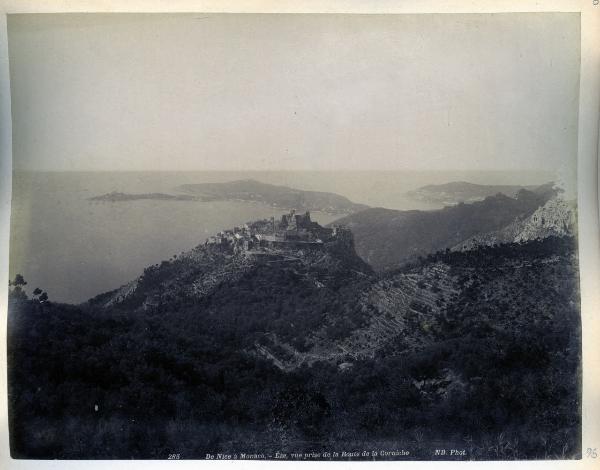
x,y
294,237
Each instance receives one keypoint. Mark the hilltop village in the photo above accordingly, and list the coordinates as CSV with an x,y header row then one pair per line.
x,y
292,231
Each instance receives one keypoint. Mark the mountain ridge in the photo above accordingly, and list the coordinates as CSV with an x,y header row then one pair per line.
x,y
556,217
386,238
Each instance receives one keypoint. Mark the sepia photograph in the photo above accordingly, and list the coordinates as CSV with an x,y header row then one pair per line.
x,y
293,237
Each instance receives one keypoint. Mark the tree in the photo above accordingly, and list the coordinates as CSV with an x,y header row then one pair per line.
x,y
19,281
37,291
17,293
43,297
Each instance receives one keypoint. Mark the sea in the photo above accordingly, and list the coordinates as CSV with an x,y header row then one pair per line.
x,y
74,248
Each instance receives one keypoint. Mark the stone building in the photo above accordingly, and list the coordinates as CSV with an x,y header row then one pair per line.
x,y
292,230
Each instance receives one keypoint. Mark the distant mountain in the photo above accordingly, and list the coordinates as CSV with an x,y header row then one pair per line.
x,y
386,238
122,197
277,196
462,191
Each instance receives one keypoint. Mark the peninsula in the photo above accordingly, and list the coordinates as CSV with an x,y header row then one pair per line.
x,y
115,196
282,197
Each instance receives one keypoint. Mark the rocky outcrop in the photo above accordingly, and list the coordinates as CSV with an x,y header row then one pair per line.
x,y
556,217
121,294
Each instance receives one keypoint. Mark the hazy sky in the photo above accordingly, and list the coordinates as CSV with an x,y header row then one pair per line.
x,y
315,92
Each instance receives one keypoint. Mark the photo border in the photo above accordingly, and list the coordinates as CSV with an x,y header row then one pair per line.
x,y
588,202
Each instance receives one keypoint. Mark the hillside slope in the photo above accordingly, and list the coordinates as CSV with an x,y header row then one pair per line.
x,y
302,348
484,343
556,217
210,268
386,238
416,306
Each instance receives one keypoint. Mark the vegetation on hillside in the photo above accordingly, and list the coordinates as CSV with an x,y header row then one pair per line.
x,y
496,374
